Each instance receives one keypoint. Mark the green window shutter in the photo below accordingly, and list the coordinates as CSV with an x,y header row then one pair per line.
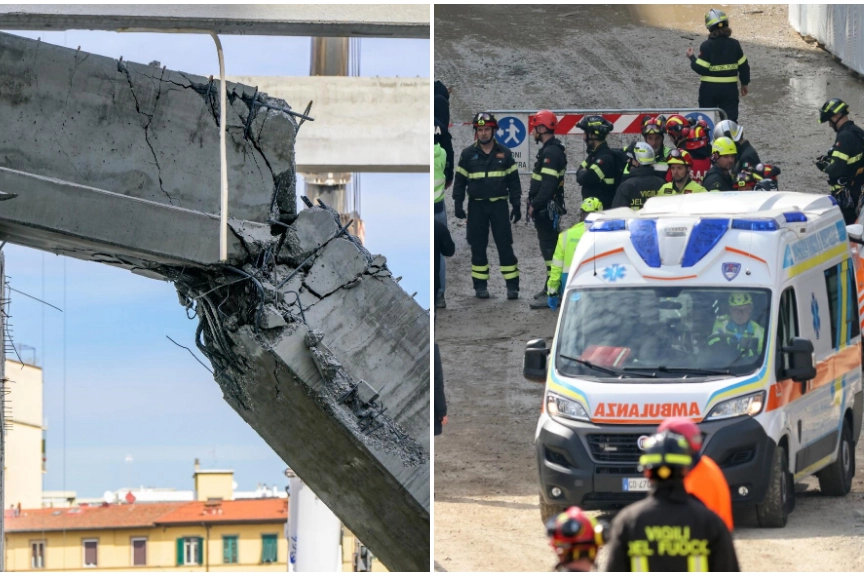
x,y
229,549
200,559
268,548
179,551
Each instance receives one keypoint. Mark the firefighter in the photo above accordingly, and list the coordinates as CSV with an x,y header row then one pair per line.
x,y
675,126
844,163
488,174
696,143
720,178
653,131
721,63
737,329
546,194
643,182
670,530
706,480
564,250
576,538
599,173
680,162
746,153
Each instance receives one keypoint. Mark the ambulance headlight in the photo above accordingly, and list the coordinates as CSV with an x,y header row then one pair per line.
x,y
559,407
749,405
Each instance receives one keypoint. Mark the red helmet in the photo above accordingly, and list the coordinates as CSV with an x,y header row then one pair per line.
x,y
686,428
676,123
677,156
544,118
575,534
653,125
696,137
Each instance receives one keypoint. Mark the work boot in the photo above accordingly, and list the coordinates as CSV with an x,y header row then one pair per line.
x,y
440,302
540,302
541,294
512,294
481,293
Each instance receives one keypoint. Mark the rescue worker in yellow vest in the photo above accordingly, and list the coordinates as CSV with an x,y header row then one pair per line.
x,y
737,329
546,194
487,173
670,530
438,203
680,162
721,63
564,250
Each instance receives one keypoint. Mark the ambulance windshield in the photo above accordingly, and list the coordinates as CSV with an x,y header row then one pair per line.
x,y
662,332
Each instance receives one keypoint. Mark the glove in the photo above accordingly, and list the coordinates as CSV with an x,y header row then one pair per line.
x,y
459,211
516,213
822,163
553,302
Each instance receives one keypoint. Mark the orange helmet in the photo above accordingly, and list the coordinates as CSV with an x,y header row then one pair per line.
x,y
574,535
677,156
697,137
544,118
676,123
686,428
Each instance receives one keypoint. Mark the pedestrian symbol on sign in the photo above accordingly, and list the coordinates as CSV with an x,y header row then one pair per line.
x,y
511,132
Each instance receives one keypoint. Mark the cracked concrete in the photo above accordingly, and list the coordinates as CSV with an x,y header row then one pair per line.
x,y
118,162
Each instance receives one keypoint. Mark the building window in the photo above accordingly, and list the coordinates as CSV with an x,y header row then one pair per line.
x,y
90,552
37,554
268,548
189,551
229,549
139,551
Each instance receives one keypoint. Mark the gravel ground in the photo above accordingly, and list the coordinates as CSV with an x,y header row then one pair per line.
x,y
486,514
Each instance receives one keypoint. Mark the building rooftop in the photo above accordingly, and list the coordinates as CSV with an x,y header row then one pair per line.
x,y
145,515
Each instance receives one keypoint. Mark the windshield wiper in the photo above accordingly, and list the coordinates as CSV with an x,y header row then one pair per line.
x,y
613,371
676,369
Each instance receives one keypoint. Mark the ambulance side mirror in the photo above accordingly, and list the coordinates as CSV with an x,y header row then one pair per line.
x,y
855,233
801,367
534,364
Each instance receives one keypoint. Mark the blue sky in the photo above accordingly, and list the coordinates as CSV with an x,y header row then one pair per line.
x,y
129,391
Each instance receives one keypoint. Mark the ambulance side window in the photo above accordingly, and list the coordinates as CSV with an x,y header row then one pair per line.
x,y
787,327
842,303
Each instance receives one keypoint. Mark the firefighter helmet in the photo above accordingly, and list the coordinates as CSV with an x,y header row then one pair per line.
x,y
653,125
591,205
832,107
686,428
716,19
676,123
677,156
641,152
595,126
730,129
484,119
666,454
575,534
724,146
697,137
544,118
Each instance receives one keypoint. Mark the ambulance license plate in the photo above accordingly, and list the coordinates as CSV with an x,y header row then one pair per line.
x,y
635,484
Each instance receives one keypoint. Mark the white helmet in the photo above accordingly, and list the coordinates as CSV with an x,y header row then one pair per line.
x,y
643,153
729,129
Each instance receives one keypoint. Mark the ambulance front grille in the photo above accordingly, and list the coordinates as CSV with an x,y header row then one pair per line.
x,y
614,447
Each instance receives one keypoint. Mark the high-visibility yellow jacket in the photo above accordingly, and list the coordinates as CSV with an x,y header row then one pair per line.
x,y
669,189
563,257
440,163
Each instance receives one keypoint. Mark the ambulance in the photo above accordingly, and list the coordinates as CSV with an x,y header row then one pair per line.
x,y
739,310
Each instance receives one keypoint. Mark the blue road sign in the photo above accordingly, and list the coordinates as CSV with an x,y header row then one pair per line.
x,y
511,132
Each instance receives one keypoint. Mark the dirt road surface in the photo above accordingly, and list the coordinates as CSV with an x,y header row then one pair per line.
x,y
486,489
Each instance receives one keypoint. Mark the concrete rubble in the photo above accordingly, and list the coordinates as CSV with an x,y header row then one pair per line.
x,y
312,341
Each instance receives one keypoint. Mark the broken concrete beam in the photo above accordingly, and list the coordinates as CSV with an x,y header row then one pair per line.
x,y
307,233
340,263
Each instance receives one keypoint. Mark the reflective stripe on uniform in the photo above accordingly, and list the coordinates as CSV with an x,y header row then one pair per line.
x,y
552,172
639,564
840,155
488,199
480,272
596,169
558,263
742,60
697,564
721,79
609,181
536,177
462,171
510,272
704,63
584,164
723,67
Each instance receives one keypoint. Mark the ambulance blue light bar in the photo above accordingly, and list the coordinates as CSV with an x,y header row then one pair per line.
x,y
755,224
643,236
795,217
608,225
704,236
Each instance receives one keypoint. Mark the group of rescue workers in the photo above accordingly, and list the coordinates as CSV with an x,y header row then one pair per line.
x,y
701,160
686,520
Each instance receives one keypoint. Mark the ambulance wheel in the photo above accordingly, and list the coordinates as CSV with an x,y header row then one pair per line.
x,y
836,479
774,511
549,510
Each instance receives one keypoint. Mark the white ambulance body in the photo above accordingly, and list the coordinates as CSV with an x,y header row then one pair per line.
x,y
737,310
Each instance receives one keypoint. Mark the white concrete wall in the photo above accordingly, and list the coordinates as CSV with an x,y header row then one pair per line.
x,y
23,462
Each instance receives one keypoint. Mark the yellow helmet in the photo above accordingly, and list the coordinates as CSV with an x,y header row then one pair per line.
x,y
592,205
740,299
724,146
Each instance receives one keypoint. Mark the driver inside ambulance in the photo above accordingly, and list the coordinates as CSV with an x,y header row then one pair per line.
x,y
737,329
